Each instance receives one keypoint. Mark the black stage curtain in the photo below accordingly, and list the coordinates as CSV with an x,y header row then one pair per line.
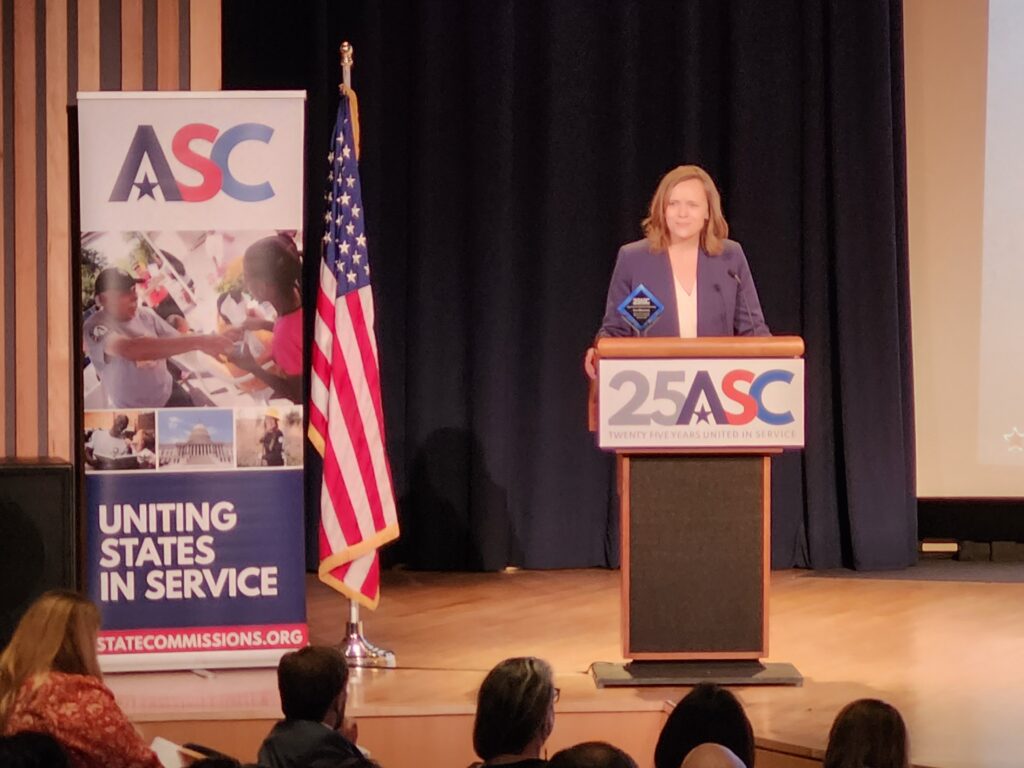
x,y
509,148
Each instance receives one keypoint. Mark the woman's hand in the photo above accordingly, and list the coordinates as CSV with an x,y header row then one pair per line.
x,y
590,363
349,728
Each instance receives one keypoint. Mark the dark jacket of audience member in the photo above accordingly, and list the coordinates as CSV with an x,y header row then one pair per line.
x,y
708,713
30,749
216,762
867,732
312,683
515,713
592,754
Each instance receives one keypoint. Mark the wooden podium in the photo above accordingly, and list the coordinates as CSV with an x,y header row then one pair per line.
x,y
694,423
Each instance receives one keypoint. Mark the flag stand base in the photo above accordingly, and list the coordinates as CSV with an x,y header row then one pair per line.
x,y
360,652
357,650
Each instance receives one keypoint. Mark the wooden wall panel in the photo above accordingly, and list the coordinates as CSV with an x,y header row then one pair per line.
x,y
88,45
4,256
38,376
26,334
58,244
205,47
131,45
167,45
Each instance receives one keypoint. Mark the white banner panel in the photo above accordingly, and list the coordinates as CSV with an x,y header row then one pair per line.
x,y
701,403
216,158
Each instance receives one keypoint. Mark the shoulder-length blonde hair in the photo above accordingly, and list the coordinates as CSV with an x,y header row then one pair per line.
x,y
56,634
716,229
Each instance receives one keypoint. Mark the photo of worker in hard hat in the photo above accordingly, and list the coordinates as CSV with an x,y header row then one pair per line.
x,y
269,437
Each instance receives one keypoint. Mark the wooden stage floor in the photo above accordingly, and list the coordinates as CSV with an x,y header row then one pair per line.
x,y
950,655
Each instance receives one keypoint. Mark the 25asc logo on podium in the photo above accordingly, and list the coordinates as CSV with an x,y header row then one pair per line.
x,y
722,403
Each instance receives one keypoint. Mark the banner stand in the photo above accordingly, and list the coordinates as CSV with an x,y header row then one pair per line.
x,y
191,216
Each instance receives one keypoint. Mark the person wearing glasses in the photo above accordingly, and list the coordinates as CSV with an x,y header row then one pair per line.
x,y
515,714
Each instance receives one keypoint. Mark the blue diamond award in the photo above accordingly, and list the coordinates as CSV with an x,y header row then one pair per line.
x,y
641,309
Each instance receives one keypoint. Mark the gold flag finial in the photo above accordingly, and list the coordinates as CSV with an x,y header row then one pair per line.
x,y
346,52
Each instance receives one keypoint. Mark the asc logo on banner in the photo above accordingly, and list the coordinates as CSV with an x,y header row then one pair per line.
x,y
701,403
214,167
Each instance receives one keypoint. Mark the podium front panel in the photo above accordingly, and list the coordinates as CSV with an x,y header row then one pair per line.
x,y
695,556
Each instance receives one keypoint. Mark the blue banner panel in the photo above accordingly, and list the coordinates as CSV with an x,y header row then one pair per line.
x,y
196,549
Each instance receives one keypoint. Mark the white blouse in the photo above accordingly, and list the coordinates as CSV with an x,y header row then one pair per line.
x,y
686,306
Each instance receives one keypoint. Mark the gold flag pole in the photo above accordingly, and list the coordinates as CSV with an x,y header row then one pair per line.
x,y
346,66
346,54
358,651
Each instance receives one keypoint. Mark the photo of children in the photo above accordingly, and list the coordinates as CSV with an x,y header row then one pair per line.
x,y
272,271
119,440
191,319
195,438
269,437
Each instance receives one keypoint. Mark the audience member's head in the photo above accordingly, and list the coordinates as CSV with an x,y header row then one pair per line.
x,y
708,713
592,754
32,750
867,732
56,634
711,756
312,682
514,709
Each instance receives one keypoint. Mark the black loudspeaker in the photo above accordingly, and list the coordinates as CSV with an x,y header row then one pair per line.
x,y
38,534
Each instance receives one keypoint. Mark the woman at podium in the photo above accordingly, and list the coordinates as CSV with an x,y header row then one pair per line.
x,y
685,278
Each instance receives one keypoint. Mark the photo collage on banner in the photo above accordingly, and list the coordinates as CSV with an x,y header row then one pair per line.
x,y
192,375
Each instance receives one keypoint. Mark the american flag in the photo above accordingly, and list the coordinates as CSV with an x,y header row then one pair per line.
x,y
346,421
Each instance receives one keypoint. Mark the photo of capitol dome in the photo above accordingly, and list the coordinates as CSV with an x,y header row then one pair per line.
x,y
202,438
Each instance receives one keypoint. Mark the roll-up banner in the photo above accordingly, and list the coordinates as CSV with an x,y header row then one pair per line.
x,y
191,219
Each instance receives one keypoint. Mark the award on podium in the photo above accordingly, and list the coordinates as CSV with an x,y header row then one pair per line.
x,y
641,309
694,423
